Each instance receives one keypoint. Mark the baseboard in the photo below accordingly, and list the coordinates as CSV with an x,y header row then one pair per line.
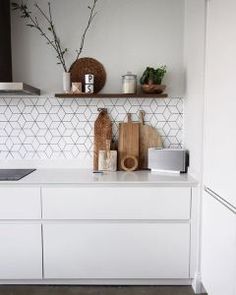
x,y
138,282
197,285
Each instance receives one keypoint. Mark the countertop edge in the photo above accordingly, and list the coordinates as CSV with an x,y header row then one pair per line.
x,y
83,177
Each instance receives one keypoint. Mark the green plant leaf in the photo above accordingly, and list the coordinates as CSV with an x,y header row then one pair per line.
x,y
151,75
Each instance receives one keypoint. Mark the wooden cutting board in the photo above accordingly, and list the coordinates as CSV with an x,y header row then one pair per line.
x,y
128,144
102,133
148,138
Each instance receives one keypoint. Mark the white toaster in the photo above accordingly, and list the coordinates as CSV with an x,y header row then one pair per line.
x,y
168,160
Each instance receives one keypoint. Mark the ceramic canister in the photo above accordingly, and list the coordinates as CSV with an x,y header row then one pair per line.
x,y
89,83
89,88
89,79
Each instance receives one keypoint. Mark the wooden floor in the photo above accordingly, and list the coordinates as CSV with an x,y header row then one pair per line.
x,y
95,290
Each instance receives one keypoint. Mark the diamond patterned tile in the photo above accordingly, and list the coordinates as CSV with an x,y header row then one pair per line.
x,y
51,128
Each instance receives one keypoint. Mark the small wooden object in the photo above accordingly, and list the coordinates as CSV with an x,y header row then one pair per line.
x,y
128,140
76,87
149,137
129,163
102,133
107,159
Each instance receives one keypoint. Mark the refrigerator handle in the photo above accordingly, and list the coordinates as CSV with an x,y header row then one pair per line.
x,y
220,199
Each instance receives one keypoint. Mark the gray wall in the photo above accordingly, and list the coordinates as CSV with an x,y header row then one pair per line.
x,y
195,29
126,36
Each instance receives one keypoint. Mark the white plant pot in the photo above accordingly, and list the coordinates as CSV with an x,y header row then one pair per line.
x,y
66,82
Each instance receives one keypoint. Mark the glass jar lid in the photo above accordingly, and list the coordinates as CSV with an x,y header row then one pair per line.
x,y
129,75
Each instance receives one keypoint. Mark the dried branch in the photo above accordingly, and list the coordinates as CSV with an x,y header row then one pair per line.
x,y
90,19
53,41
51,28
33,23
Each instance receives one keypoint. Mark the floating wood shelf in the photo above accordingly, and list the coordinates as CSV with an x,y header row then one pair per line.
x,y
111,95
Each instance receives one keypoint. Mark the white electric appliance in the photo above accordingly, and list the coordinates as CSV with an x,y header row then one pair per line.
x,y
167,160
218,253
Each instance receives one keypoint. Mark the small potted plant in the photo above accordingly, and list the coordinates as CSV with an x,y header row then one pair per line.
x,y
151,80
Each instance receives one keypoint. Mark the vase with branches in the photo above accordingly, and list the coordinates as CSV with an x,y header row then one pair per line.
x,y
50,34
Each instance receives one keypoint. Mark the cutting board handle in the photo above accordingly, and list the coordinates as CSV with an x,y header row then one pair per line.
x,y
129,117
102,110
129,163
141,116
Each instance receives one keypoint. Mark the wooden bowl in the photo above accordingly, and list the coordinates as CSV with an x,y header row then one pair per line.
x,y
153,88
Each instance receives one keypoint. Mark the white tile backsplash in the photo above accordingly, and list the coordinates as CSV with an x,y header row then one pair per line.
x,y
50,128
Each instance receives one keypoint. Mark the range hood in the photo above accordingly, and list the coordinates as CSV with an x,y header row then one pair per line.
x,y
7,87
17,88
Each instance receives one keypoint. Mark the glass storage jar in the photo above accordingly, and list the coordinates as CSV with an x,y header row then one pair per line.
x,y
129,83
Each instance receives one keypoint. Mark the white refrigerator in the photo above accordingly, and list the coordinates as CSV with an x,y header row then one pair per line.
x,y
218,255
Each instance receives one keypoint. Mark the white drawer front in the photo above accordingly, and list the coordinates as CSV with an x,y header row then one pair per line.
x,y
116,203
116,250
20,203
20,251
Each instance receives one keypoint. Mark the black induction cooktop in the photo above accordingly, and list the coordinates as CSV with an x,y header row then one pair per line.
x,y
14,174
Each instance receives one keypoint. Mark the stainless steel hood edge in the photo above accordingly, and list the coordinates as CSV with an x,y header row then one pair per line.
x,y
17,88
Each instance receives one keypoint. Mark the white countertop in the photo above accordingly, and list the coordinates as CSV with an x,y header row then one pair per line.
x,y
86,176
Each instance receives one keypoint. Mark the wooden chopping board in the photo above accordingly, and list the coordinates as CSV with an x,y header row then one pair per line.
x,y
128,144
148,138
102,133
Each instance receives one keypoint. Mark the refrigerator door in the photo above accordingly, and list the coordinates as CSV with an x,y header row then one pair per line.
x,y
220,120
218,255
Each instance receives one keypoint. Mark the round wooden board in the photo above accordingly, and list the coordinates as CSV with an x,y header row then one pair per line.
x,y
87,65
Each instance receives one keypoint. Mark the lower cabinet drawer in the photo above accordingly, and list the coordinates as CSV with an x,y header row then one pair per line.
x,y
116,250
20,251
116,203
20,203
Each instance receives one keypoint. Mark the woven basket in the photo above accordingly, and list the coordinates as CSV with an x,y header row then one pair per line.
x,y
86,65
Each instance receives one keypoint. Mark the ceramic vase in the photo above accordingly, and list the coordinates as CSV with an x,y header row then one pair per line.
x,y
66,82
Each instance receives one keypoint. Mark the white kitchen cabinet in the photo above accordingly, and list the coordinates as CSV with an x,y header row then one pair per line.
x,y
116,203
218,248
116,250
97,233
20,203
20,251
